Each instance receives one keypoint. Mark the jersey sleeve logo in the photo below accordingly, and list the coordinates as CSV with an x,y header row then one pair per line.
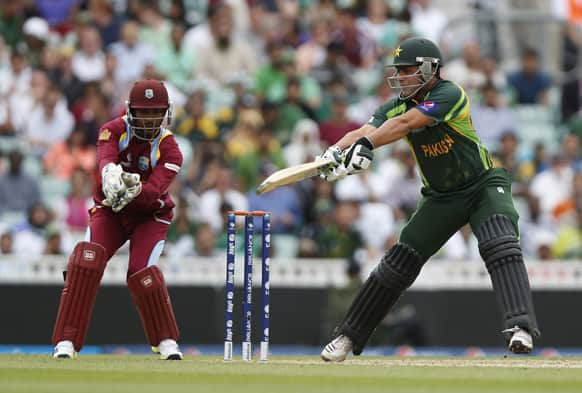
x,y
105,135
428,106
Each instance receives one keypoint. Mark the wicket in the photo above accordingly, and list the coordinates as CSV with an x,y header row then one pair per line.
x,y
248,284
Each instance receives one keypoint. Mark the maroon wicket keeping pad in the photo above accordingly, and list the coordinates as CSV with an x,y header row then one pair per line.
x,y
84,272
153,303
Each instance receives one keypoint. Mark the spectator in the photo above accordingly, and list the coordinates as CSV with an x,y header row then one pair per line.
x,y
181,230
359,110
64,158
18,191
271,79
468,70
36,35
558,179
11,21
304,145
224,55
16,78
155,28
176,62
78,203
530,84
53,243
65,78
49,123
88,64
506,156
32,98
427,20
335,65
131,55
312,52
105,20
30,235
267,154
243,139
402,194
568,244
491,118
6,243
538,228
340,239
194,122
205,242
339,124
223,191
283,203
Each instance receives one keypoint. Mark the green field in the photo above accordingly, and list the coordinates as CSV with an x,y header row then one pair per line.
x,y
145,374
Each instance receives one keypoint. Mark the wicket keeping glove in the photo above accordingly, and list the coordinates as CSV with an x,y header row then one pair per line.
x,y
359,156
112,184
127,197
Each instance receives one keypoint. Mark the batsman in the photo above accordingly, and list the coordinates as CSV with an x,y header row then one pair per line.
x,y
138,159
460,185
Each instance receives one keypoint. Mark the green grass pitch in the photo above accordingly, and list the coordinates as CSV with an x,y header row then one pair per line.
x,y
200,374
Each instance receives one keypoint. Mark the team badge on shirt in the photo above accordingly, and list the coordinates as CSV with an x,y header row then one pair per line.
x,y
428,105
143,163
104,136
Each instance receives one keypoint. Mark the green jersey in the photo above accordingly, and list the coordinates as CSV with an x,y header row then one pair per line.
x,y
448,152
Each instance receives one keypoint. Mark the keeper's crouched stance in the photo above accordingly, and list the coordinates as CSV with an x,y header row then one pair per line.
x,y
460,186
138,160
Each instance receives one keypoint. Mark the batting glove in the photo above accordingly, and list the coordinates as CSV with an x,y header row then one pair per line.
x,y
359,156
333,154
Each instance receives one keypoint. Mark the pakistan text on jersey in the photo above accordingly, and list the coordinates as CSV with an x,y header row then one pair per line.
x,y
438,149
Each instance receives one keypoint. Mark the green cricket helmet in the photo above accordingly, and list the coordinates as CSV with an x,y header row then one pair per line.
x,y
419,52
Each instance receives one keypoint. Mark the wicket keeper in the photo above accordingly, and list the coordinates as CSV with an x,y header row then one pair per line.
x,y
138,159
460,185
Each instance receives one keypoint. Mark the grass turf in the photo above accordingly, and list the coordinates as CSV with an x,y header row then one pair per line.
x,y
145,374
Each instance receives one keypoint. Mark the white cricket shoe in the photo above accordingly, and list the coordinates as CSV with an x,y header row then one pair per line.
x,y
169,350
337,350
521,341
64,350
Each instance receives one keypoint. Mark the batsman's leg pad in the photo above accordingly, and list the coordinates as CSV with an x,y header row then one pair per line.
x,y
500,249
84,271
396,271
153,303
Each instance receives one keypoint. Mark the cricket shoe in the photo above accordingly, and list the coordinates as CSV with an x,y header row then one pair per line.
x,y
337,350
64,350
521,341
169,350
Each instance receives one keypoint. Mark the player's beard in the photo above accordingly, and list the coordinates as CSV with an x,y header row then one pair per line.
x,y
223,43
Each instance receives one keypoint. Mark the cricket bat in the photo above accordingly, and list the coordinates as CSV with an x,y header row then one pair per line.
x,y
291,175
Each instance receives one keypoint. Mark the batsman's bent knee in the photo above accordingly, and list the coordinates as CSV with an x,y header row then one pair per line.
x,y
396,271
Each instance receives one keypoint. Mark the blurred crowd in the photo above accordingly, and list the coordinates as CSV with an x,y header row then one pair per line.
x,y
259,85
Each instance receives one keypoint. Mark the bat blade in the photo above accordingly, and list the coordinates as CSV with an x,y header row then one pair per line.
x,y
291,175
